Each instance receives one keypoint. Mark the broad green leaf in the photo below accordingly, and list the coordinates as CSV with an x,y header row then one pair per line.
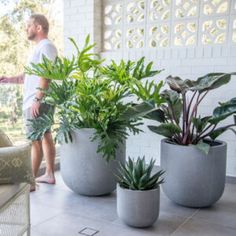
x,y
223,111
167,130
157,115
211,81
178,85
172,97
200,123
217,132
138,110
174,102
204,147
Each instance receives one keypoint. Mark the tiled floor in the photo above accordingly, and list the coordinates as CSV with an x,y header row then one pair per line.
x,y
57,211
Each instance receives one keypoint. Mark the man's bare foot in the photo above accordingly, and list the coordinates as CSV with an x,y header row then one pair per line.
x,y
32,187
48,179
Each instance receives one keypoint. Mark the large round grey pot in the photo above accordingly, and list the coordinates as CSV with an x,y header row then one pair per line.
x,y
192,178
138,208
84,170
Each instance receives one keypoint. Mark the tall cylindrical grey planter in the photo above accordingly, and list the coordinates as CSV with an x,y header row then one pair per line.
x,y
138,208
83,169
192,178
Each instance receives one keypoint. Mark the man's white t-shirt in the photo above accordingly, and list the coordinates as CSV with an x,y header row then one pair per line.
x,y
31,82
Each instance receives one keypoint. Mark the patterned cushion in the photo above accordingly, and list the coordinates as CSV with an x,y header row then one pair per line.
x,y
15,164
4,140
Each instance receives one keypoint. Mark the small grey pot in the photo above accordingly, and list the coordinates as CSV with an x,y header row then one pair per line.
x,y
84,170
138,208
192,178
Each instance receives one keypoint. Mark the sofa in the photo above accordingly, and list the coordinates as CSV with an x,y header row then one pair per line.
x,y
15,179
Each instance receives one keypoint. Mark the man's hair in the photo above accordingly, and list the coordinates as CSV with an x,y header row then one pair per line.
x,y
41,20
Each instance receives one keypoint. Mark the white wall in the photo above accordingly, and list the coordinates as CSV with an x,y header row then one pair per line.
x,y
82,17
187,59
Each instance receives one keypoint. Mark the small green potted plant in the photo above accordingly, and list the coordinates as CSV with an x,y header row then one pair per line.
x,y
194,161
95,114
138,192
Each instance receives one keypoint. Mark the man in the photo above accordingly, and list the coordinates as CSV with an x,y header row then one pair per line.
x,y
37,31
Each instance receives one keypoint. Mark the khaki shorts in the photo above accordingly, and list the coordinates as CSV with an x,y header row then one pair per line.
x,y
43,109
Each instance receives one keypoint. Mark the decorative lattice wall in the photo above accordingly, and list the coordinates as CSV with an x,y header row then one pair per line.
x,y
133,24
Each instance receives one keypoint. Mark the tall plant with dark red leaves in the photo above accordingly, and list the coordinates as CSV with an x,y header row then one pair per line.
x,y
180,120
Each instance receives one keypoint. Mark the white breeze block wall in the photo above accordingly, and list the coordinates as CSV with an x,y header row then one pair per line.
x,y
82,17
186,38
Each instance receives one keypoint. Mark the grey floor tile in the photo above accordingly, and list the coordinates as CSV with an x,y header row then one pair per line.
x,y
196,227
224,211
72,224
165,225
95,207
53,198
170,207
34,233
56,210
81,205
40,213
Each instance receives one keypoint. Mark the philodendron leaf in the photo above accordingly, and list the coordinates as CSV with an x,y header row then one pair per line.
x,y
211,81
167,130
157,115
200,123
217,132
179,85
40,126
204,147
223,111
138,110
172,97
174,102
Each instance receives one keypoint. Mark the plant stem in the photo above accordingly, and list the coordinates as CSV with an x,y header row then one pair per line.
x,y
188,110
194,112
184,115
173,115
204,136
207,134
199,135
190,104
178,138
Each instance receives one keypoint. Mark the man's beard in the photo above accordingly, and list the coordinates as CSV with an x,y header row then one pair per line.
x,y
32,36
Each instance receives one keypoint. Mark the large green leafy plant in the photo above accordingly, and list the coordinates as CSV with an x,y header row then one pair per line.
x,y
179,118
90,95
136,175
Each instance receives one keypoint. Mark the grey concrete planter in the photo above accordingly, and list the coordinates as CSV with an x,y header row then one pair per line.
x,y
138,208
84,170
192,178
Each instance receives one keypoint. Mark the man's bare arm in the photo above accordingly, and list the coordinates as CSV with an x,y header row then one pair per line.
x,y
19,79
43,84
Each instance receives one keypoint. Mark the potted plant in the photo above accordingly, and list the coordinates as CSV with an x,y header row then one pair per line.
x,y
94,115
138,193
193,160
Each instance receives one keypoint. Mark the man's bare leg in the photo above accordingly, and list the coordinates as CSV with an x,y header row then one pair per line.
x,y
36,158
49,155
36,155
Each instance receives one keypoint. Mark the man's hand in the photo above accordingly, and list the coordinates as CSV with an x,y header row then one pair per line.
x,y
35,109
3,79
